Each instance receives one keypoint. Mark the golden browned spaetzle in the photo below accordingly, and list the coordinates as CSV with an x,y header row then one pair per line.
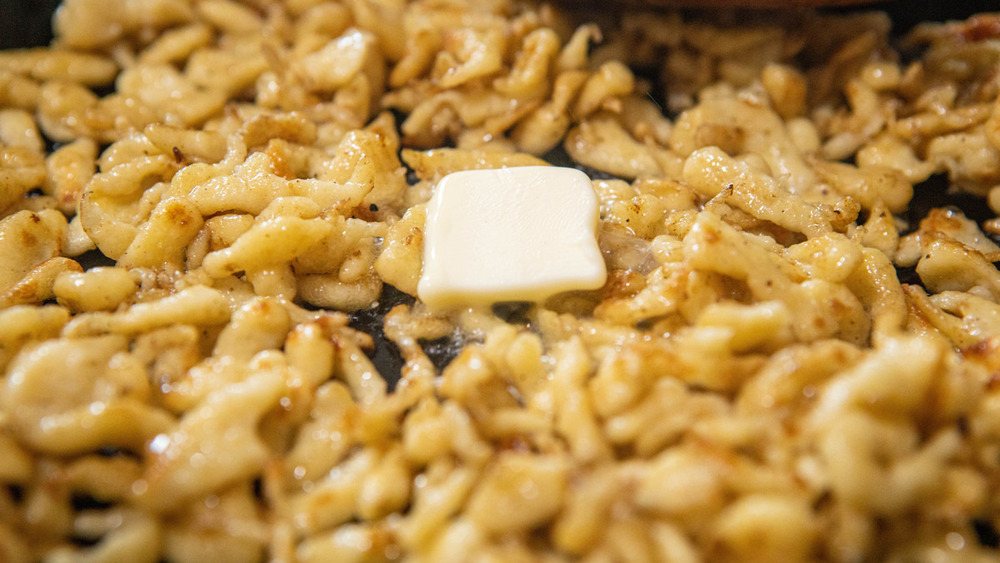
x,y
211,233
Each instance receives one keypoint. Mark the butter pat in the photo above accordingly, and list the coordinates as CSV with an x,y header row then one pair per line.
x,y
511,234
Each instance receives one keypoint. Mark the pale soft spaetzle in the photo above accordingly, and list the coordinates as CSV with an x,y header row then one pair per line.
x,y
204,204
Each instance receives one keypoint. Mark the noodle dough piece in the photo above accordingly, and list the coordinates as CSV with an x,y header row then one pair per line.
x,y
818,308
401,262
602,143
21,169
214,444
26,240
196,305
763,132
437,163
713,173
71,396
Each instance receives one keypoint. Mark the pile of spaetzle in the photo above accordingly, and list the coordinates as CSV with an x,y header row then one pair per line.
x,y
199,198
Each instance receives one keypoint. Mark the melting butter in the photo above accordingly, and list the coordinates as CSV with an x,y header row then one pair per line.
x,y
510,234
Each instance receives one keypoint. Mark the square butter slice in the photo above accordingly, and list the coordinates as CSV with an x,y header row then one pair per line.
x,y
510,234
